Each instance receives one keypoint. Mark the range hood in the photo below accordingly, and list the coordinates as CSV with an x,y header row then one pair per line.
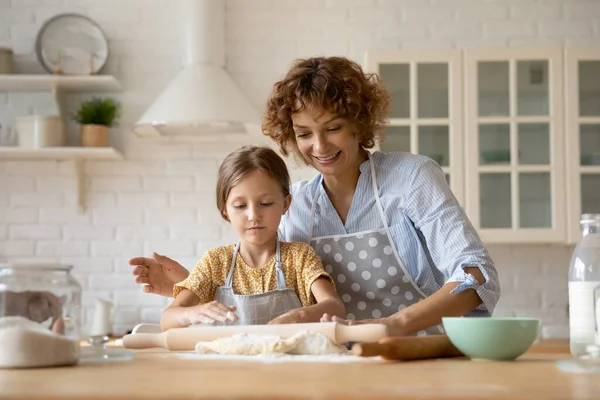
x,y
202,98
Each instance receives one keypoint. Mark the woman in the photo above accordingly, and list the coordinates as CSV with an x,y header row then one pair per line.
x,y
386,225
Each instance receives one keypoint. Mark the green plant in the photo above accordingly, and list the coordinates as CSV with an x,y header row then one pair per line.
x,y
98,111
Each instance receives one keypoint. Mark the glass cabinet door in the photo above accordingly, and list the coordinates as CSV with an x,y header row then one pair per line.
x,y
514,163
583,135
425,117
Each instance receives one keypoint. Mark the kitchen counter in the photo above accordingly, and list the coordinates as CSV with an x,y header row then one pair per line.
x,y
160,374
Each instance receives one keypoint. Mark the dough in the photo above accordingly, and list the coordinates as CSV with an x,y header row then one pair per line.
x,y
305,342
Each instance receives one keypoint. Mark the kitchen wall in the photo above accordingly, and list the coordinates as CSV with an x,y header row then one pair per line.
x,y
160,198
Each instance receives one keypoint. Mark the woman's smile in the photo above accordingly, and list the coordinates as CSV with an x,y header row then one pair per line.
x,y
329,159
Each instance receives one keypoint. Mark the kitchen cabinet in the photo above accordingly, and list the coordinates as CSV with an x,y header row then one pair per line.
x,y
582,101
426,93
517,131
514,157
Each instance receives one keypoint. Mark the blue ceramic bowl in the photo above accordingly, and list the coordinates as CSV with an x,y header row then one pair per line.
x,y
500,339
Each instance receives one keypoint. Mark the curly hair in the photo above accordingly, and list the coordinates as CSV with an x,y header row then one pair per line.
x,y
335,84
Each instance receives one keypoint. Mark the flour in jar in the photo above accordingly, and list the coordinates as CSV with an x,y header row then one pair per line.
x,y
27,344
303,343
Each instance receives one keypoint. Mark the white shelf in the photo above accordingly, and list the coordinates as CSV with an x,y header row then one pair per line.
x,y
33,83
75,154
61,153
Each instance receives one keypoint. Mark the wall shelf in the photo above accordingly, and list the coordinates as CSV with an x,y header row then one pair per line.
x,y
60,86
60,153
75,154
41,83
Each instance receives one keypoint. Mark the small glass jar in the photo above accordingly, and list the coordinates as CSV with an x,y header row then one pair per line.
x,y
44,293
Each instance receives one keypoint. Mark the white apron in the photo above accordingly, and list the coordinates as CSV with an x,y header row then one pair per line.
x,y
258,309
370,278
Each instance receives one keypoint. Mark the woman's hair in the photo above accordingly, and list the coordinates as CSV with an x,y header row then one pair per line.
x,y
335,84
238,164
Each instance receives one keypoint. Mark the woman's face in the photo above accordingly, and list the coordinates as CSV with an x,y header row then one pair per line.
x,y
326,142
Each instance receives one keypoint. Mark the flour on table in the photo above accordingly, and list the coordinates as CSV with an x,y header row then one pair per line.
x,y
27,344
302,343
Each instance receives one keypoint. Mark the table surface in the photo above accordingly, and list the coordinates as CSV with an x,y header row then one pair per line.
x,y
158,374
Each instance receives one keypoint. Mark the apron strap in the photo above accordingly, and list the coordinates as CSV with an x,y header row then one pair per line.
x,y
280,276
312,209
229,280
376,194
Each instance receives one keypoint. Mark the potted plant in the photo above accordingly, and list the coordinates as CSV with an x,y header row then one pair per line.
x,y
96,116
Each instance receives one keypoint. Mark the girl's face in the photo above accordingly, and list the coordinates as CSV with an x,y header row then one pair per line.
x,y
255,206
326,142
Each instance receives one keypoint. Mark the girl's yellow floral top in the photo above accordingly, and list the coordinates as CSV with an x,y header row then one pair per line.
x,y
300,263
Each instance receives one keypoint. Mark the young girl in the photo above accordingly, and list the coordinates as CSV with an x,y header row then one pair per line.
x,y
260,280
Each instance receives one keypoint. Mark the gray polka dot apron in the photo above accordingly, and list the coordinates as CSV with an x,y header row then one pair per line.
x,y
370,278
258,309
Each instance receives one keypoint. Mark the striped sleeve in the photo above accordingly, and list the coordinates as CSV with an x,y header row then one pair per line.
x,y
451,239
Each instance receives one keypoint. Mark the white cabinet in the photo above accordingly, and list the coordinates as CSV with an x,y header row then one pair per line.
x,y
426,96
582,101
517,131
514,156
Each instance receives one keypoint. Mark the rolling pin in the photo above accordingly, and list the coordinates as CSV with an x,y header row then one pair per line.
x,y
408,348
186,338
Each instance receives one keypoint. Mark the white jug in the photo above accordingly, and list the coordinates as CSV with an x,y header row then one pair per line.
x,y
102,323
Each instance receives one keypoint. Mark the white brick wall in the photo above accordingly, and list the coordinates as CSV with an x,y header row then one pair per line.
x,y
161,197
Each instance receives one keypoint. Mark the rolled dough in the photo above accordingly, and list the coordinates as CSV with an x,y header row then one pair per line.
x,y
305,343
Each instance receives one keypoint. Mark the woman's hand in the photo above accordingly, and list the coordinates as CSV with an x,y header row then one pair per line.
x,y
393,324
158,274
294,316
209,313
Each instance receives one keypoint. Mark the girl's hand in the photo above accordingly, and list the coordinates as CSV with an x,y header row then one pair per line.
x,y
209,313
291,317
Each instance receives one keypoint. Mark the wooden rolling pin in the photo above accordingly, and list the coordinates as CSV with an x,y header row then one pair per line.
x,y
408,348
186,338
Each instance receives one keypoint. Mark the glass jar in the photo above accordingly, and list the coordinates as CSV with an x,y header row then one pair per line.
x,y
44,293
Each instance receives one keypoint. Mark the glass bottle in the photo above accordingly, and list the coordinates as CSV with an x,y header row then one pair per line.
x,y
584,286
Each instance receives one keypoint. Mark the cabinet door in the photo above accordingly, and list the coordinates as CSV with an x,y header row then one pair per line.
x,y
582,135
426,99
514,156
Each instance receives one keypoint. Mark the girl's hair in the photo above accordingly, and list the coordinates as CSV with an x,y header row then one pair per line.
x,y
238,164
335,84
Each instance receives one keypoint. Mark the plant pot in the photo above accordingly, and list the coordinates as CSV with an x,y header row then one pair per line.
x,y
94,135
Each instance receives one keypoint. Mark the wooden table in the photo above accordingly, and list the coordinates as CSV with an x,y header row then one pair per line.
x,y
160,375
